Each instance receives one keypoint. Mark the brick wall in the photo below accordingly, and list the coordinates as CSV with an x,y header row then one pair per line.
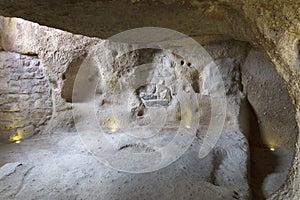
x,y
25,97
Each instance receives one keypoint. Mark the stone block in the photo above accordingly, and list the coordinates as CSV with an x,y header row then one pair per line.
x,y
26,63
4,85
23,97
6,125
5,73
28,75
2,100
31,69
48,104
36,96
36,82
18,116
24,105
13,83
26,86
14,89
12,98
39,103
18,71
36,63
21,123
37,114
39,74
25,132
155,102
15,77
14,107
39,89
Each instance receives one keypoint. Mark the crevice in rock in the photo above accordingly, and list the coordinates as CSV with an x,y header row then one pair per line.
x,y
136,147
30,54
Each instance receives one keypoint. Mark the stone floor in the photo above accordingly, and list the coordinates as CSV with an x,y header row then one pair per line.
x,y
57,166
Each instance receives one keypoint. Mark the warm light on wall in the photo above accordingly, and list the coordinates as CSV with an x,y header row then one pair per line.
x,y
272,143
112,123
188,118
15,138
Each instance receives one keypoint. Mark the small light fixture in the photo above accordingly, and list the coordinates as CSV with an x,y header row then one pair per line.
x,y
188,118
272,149
114,126
112,123
18,141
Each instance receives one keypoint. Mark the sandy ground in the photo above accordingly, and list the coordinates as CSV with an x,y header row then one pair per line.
x,y
57,166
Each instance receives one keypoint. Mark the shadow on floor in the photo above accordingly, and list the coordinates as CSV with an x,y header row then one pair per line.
x,y
263,161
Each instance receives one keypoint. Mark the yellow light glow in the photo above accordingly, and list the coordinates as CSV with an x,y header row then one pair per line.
x,y
18,141
272,149
15,138
187,118
112,123
113,130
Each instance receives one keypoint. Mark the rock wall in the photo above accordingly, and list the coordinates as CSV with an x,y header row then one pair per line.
x,y
273,28
132,97
270,101
25,100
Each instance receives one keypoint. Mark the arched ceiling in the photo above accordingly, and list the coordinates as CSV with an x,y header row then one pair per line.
x,y
203,20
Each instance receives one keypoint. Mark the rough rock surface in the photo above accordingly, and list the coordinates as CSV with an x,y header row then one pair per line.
x,y
272,26
57,68
270,101
8,169
63,169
